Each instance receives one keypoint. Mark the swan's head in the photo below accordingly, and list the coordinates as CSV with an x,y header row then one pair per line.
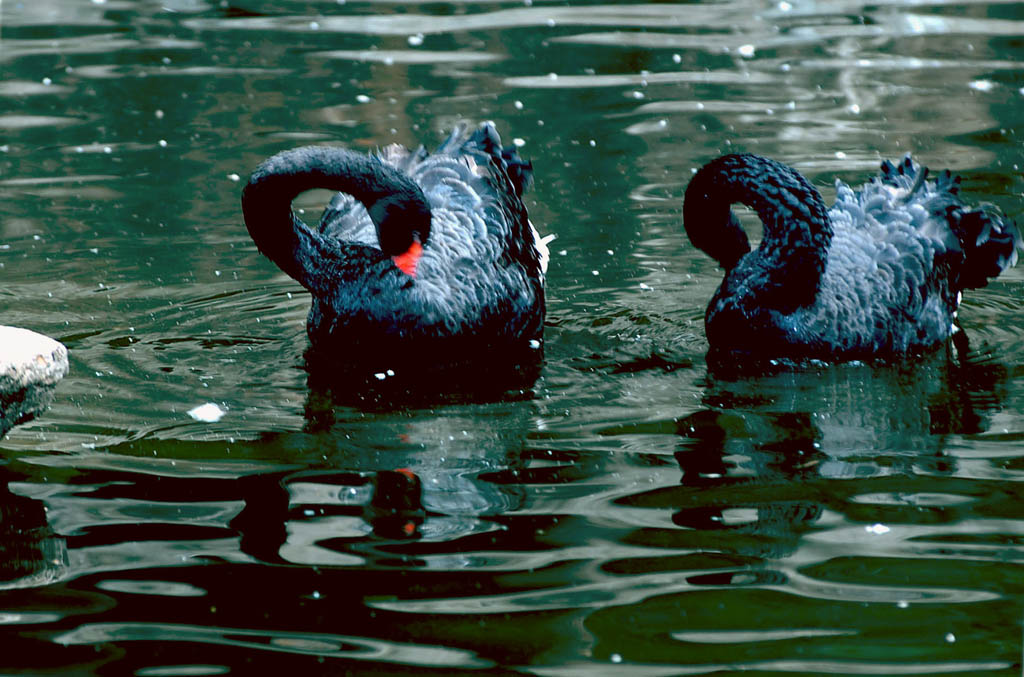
x,y
719,235
403,226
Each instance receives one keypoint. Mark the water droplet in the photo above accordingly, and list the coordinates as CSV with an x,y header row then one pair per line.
x,y
415,40
746,51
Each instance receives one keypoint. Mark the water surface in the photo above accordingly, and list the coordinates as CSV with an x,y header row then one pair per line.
x,y
630,513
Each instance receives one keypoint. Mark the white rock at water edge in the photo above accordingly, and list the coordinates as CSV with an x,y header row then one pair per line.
x,y
30,366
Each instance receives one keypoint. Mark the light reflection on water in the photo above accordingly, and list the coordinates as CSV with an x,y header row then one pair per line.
x,y
629,513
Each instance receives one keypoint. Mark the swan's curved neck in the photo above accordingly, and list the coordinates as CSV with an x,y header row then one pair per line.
x,y
395,203
797,231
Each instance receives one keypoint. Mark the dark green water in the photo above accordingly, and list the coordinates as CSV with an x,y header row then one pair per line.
x,y
631,514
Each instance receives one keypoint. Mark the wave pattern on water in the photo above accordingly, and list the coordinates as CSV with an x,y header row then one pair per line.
x,y
631,512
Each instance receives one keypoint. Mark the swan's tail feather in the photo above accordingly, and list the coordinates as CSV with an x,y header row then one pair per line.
x,y
486,139
401,158
908,177
520,171
892,174
990,241
455,142
948,182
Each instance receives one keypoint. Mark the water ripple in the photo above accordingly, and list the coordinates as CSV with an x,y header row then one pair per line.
x,y
308,643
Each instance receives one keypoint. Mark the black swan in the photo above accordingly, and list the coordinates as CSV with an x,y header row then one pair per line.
x,y
419,258
879,275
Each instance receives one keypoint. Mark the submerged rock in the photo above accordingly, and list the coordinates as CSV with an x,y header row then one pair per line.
x,y
30,366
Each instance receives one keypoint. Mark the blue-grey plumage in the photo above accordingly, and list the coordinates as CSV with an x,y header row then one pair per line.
x,y
418,253
879,274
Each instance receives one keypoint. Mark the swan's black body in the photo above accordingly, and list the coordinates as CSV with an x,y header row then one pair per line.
x,y
877,275
476,285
